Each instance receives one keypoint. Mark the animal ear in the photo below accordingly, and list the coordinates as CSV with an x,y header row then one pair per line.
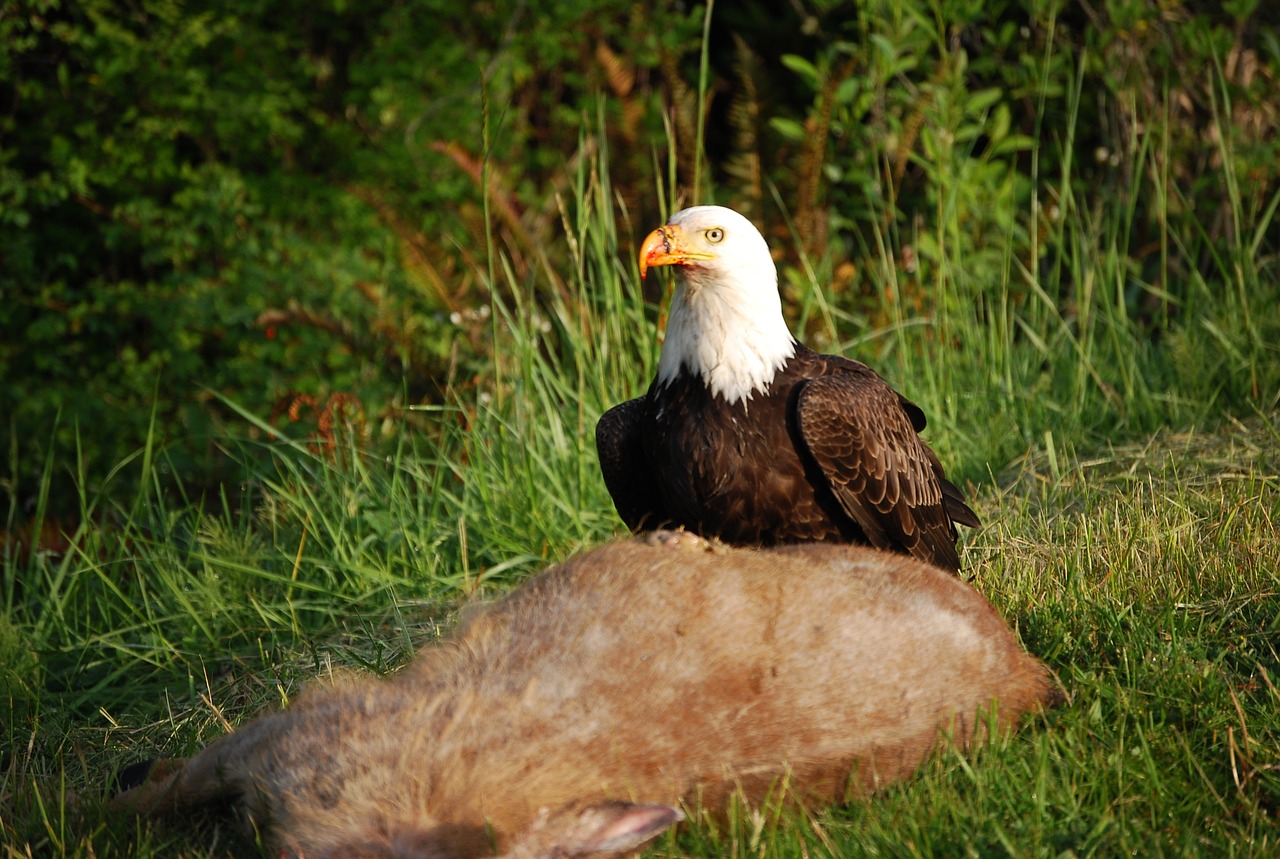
x,y
614,828
601,829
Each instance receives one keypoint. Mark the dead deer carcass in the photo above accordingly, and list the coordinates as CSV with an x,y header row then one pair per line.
x,y
565,718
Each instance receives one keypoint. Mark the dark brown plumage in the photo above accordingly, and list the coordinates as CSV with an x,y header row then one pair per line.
x,y
824,450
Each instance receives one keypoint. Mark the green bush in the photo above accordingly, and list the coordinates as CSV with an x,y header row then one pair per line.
x,y
279,204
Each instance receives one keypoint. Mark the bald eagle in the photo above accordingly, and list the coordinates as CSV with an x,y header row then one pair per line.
x,y
747,435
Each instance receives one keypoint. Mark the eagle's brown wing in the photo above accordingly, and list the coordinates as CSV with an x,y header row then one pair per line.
x,y
885,477
627,475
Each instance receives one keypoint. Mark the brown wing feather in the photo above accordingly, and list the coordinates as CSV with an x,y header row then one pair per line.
x,y
627,475
952,497
884,476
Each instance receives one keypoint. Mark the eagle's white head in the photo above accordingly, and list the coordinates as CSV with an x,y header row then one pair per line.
x,y
725,323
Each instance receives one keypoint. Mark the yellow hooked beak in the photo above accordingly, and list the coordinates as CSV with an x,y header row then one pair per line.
x,y
666,246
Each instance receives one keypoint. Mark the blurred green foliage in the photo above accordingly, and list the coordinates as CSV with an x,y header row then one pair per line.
x,y
281,202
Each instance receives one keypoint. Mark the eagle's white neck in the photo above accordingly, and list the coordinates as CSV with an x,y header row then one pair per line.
x,y
726,326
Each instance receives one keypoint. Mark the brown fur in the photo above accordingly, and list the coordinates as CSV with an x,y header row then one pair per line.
x,y
654,670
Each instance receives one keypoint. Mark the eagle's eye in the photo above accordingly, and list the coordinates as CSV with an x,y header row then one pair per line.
x,y
715,235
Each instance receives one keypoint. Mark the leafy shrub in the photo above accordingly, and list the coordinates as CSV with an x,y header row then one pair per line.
x,y
256,202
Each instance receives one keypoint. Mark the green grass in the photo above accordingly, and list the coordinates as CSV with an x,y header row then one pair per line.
x,y
1130,485
1148,576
